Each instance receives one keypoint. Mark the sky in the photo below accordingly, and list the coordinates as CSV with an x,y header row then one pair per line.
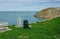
x,y
27,5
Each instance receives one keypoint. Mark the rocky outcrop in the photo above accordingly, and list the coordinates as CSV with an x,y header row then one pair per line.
x,y
48,13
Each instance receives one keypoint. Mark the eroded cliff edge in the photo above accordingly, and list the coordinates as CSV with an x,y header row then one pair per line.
x,y
48,13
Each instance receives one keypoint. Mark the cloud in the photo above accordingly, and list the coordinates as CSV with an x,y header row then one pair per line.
x,y
25,4
44,0
28,0
19,1
24,0
57,0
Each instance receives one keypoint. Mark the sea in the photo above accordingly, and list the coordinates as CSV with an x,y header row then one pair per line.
x,y
11,16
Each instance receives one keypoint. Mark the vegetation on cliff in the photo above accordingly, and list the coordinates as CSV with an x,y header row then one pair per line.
x,y
48,13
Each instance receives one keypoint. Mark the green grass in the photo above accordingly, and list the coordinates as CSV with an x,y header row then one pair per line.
x,y
41,30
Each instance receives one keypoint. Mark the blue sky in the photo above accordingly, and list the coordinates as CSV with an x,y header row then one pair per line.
x,y
27,5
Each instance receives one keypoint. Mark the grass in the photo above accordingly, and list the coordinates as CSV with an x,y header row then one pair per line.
x,y
41,30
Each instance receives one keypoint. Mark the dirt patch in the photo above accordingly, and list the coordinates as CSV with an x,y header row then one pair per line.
x,y
23,36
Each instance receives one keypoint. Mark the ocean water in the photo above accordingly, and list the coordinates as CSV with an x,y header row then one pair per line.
x,y
11,16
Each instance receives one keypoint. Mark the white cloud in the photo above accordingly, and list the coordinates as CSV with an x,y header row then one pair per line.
x,y
44,0
24,4
24,0
19,0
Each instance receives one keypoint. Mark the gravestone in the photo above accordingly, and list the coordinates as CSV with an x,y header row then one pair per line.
x,y
25,24
18,22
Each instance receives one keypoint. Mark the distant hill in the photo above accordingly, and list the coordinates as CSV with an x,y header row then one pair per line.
x,y
48,13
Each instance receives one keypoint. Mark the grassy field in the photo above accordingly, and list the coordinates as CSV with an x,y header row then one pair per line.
x,y
40,30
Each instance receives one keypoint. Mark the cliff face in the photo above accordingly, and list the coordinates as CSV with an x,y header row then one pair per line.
x,y
48,13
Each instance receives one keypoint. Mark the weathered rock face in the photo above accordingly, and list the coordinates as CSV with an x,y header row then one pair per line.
x,y
48,13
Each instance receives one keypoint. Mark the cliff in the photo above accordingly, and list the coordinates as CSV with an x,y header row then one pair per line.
x,y
48,13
